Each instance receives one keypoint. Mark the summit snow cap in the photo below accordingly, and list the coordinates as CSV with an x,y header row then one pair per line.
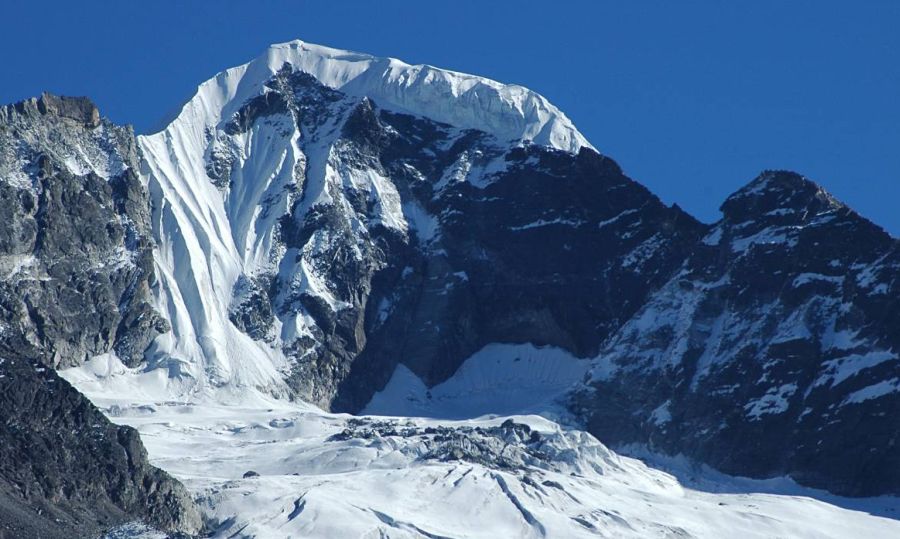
x,y
507,111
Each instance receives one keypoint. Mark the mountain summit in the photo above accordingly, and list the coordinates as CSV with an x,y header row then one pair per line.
x,y
507,111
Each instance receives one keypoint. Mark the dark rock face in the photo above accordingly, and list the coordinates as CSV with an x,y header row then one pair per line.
x,y
771,351
251,309
509,267
464,242
75,269
75,248
66,471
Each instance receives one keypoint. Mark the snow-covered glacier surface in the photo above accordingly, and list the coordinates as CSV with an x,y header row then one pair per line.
x,y
270,468
322,475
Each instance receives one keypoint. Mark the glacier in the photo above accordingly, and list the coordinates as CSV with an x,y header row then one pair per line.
x,y
291,470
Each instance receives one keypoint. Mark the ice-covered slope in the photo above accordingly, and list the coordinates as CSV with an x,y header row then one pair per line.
x,y
219,189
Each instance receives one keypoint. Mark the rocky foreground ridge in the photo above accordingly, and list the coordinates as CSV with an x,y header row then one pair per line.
x,y
76,269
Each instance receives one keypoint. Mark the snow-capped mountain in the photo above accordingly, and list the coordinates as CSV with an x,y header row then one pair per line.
x,y
277,201
338,227
325,227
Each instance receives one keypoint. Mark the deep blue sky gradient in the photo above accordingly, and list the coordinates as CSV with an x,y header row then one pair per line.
x,y
692,98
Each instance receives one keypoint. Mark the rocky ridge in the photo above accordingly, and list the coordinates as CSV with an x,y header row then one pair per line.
x,y
76,257
772,349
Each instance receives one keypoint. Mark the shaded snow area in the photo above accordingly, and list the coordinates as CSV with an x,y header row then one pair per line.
x,y
499,379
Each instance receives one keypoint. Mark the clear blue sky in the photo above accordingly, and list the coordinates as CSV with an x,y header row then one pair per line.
x,y
692,98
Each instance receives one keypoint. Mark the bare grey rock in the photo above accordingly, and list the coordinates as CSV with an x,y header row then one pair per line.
x,y
76,243
75,269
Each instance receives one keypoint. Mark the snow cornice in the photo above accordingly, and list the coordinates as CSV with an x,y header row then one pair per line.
x,y
509,112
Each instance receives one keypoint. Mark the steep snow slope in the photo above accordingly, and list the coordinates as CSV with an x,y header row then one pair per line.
x,y
507,111
219,188
499,379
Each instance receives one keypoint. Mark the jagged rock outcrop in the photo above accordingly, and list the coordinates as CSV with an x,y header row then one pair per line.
x,y
76,267
67,471
75,244
77,109
771,351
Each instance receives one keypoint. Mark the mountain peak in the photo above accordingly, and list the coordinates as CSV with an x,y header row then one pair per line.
x,y
778,192
507,111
